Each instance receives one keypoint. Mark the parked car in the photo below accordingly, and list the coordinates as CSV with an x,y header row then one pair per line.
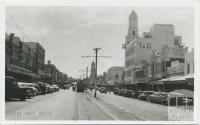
x,y
103,90
136,94
14,90
158,97
127,93
115,91
120,92
55,87
52,89
48,89
42,87
39,91
66,86
31,90
145,94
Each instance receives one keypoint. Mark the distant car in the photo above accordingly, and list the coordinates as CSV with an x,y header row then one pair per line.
x,y
136,94
115,91
145,94
14,90
67,86
103,90
39,90
128,93
55,87
42,87
48,89
158,97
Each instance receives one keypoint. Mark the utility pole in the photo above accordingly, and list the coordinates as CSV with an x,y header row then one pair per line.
x,y
96,54
96,60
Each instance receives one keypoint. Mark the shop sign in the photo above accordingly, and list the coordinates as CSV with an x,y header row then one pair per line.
x,y
144,45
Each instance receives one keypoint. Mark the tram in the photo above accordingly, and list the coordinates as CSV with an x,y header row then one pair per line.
x,y
80,86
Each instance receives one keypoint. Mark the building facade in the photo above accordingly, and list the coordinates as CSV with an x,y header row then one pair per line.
x,y
115,75
152,53
39,56
19,59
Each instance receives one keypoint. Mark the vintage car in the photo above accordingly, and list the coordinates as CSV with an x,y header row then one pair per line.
x,y
115,91
103,90
136,94
14,89
128,93
42,88
49,89
55,87
158,97
31,90
145,94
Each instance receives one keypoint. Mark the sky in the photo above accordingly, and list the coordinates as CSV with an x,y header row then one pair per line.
x,y
69,32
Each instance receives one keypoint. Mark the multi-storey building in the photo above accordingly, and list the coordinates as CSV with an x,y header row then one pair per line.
x,y
40,56
115,75
151,53
137,50
19,59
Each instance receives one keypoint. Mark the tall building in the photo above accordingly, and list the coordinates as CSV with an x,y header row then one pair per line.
x,y
93,73
141,53
133,27
137,50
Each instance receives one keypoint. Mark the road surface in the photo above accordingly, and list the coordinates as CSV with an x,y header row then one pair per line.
x,y
69,105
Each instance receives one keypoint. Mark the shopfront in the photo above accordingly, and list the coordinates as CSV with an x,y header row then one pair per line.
x,y
21,74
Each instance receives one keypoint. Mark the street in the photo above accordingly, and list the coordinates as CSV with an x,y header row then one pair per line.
x,y
69,105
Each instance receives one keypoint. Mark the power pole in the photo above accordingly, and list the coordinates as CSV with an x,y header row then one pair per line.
x,y
96,54
96,60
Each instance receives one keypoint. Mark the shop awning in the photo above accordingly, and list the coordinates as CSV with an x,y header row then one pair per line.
x,y
181,93
20,70
177,79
